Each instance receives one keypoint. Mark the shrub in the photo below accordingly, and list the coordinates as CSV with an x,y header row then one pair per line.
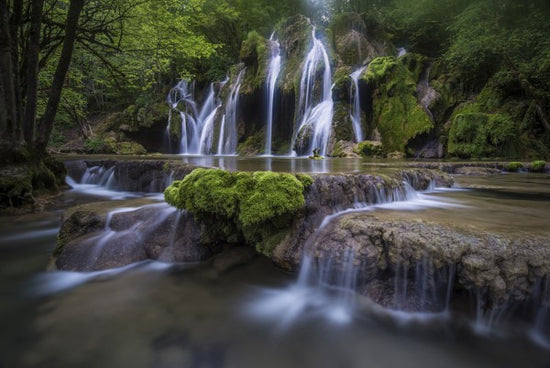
x,y
514,166
537,166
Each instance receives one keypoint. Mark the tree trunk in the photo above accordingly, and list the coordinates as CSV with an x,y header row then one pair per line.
x,y
45,125
33,54
8,116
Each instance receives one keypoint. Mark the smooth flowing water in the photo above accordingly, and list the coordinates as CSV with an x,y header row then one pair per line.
x,y
273,70
314,113
356,107
154,314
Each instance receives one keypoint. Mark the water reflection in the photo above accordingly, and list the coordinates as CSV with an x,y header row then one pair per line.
x,y
279,164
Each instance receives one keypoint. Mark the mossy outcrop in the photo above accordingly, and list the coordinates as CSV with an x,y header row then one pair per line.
x,y
255,56
353,42
397,115
239,207
26,179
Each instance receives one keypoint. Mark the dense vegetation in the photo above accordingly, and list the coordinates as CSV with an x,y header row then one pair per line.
x,y
73,63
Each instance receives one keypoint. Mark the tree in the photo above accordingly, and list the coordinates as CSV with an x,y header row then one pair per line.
x,y
24,137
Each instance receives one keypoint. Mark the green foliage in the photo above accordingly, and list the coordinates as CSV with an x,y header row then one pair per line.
x,y
397,114
369,149
255,55
537,166
239,206
476,134
96,145
514,166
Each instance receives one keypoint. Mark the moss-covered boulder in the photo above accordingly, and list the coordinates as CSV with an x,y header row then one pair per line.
x,y
474,134
396,113
240,207
353,44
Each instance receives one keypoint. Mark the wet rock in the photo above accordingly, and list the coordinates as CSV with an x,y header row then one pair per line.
x,y
504,267
92,237
335,192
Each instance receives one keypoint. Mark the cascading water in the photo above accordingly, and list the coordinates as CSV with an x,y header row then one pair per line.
x,y
193,122
425,92
314,114
274,68
356,109
228,135
328,279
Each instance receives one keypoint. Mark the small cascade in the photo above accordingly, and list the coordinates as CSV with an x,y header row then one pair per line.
x,y
329,279
421,288
273,70
426,94
108,233
315,110
115,237
540,330
229,133
401,51
356,109
207,135
221,136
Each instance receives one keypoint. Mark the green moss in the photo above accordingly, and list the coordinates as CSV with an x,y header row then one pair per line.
x,y
341,84
237,207
253,145
255,55
477,134
338,150
342,126
537,166
96,145
306,180
514,166
396,112
295,35
369,149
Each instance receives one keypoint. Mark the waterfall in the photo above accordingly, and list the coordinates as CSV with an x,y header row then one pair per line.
x,y
425,92
274,68
315,115
230,118
193,122
401,51
207,134
221,136
356,111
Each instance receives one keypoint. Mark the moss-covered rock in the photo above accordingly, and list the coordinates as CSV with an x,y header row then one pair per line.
x,y
295,38
342,127
477,134
370,149
537,166
240,207
397,115
351,43
514,166
253,145
255,55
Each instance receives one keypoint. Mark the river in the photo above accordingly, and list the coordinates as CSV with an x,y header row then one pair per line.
x,y
194,315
